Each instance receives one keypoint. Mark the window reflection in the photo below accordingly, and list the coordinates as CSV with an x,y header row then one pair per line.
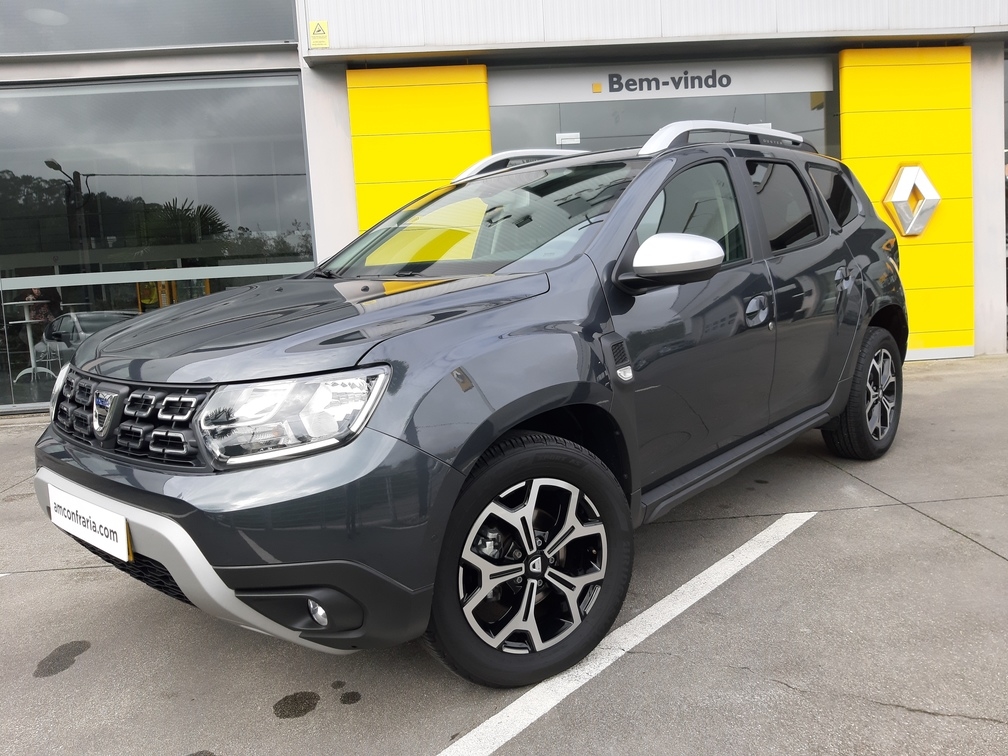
x,y
108,190
62,25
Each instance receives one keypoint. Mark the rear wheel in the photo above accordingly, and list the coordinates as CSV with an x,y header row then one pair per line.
x,y
867,427
535,564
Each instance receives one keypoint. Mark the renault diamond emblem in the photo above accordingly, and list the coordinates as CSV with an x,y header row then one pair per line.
x,y
102,410
912,200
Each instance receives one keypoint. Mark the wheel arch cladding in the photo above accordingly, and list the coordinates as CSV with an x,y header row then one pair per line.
x,y
892,319
592,427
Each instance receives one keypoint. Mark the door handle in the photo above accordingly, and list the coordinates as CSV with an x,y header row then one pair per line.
x,y
844,279
757,311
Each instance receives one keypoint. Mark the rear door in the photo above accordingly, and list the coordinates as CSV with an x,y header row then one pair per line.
x,y
816,283
702,353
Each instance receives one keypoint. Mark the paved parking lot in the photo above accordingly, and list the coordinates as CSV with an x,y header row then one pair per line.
x,y
880,625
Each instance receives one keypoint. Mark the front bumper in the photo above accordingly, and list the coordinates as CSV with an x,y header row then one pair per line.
x,y
251,546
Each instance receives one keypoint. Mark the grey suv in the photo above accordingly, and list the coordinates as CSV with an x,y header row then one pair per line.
x,y
451,428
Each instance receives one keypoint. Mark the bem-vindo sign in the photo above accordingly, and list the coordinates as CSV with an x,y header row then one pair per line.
x,y
686,80
658,80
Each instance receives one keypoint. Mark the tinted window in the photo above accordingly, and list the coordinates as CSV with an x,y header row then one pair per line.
x,y
32,27
837,192
784,203
698,201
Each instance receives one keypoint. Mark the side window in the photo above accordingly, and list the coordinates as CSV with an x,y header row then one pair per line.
x,y
837,192
784,204
63,325
698,201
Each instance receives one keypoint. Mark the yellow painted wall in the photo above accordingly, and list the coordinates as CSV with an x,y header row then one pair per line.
x,y
413,130
913,107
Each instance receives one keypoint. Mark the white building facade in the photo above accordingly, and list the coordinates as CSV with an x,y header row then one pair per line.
x,y
153,154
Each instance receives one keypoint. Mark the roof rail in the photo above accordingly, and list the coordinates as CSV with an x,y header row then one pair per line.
x,y
677,134
510,158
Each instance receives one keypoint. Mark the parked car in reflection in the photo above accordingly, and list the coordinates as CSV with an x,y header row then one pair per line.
x,y
63,335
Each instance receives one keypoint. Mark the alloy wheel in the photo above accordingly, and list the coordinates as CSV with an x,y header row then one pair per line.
x,y
880,399
532,566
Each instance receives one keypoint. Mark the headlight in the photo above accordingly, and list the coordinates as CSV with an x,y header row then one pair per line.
x,y
253,422
57,388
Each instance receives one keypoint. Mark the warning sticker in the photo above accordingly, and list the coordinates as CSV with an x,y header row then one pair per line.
x,y
318,34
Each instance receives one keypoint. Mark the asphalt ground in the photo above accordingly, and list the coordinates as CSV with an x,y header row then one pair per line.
x,y
879,625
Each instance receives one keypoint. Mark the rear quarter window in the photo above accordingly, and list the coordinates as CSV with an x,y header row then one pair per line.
x,y
836,193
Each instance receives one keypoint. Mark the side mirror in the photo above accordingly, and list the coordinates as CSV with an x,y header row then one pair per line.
x,y
51,334
677,258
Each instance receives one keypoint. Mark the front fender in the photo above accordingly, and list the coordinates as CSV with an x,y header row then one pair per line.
x,y
480,390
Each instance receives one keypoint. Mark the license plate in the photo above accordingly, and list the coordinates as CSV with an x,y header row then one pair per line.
x,y
101,528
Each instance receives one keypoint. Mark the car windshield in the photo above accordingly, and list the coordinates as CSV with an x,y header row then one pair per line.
x,y
534,216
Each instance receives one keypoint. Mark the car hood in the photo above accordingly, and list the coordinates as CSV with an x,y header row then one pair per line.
x,y
287,327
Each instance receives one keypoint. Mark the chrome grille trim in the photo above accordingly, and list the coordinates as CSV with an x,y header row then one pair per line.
x,y
155,423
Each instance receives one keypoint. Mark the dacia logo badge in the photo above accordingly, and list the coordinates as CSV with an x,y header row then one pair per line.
x,y
103,408
536,565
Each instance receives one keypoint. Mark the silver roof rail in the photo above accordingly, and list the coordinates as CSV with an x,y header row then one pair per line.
x,y
509,158
677,134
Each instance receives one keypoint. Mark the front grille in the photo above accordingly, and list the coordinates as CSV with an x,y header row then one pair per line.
x,y
144,569
140,421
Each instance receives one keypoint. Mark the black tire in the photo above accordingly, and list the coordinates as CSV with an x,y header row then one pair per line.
x,y
867,426
521,628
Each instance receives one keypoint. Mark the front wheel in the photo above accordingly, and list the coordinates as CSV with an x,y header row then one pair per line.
x,y
867,427
535,564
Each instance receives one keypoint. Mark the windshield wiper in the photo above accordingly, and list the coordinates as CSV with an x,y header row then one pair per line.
x,y
325,274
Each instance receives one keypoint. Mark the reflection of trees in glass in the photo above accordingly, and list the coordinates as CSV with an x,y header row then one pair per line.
x,y
35,216
190,224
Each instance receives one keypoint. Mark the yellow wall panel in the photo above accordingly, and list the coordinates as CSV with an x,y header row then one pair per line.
x,y
935,266
416,157
947,309
942,91
429,109
418,76
915,56
940,340
913,107
413,129
916,132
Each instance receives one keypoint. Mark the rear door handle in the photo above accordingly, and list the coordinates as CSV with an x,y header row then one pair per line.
x,y
844,279
757,311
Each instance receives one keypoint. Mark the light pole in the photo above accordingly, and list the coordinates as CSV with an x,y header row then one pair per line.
x,y
76,203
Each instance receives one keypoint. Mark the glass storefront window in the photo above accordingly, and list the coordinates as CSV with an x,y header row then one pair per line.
x,y
629,123
70,25
131,195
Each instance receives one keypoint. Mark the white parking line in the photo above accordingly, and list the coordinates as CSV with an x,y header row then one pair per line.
x,y
510,721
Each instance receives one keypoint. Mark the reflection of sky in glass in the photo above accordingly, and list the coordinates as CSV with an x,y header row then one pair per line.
x,y
235,144
30,26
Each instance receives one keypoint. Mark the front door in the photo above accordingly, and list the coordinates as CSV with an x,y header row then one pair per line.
x,y
702,353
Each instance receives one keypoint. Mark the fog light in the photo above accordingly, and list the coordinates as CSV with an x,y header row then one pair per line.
x,y
317,612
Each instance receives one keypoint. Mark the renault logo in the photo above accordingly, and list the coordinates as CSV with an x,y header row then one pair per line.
x,y
912,200
103,408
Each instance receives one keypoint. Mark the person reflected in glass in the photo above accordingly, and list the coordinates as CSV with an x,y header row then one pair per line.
x,y
48,306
